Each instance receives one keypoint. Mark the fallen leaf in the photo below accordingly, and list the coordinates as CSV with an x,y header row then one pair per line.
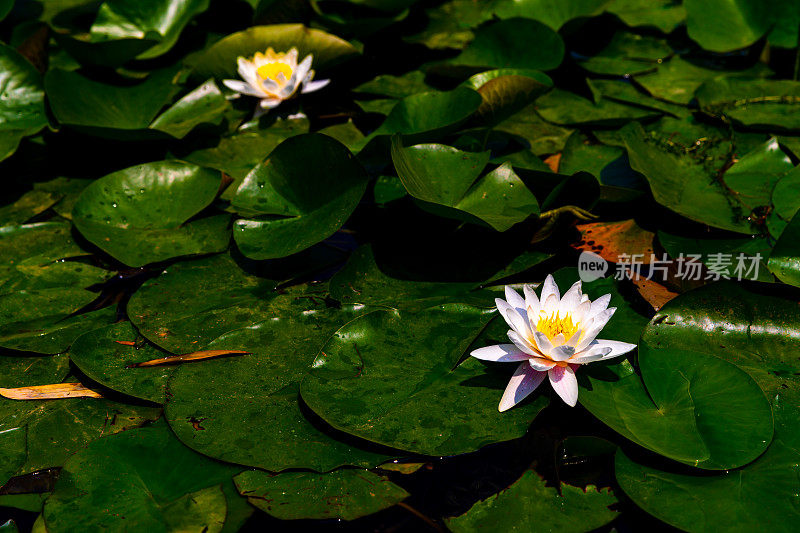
x,y
55,391
655,293
183,358
611,240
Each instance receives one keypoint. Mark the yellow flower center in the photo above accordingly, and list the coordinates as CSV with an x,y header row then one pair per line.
x,y
270,71
553,325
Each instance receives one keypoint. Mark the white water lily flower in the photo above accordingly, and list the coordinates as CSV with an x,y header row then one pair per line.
x,y
275,76
551,336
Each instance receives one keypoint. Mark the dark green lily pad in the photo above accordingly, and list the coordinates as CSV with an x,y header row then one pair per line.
x,y
346,494
43,320
21,100
568,109
245,409
664,15
628,54
144,477
726,25
313,196
41,434
529,501
739,260
506,91
194,302
98,355
158,20
446,176
769,105
206,104
784,261
354,383
141,214
32,371
43,256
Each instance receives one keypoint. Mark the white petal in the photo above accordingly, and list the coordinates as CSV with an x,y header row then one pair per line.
x,y
562,353
581,311
571,300
573,341
514,299
541,364
523,382
564,382
242,87
500,353
550,306
247,70
594,327
598,306
549,288
303,68
593,353
531,300
513,318
616,348
543,343
311,86
521,343
269,103
291,56
558,340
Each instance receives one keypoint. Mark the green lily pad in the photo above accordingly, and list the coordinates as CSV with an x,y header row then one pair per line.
x,y
346,494
710,414
726,25
206,104
752,330
628,54
100,108
194,302
664,15
314,196
21,100
219,60
542,136
438,408
769,105
98,355
27,206
568,109
32,371
141,214
506,91
43,320
784,261
395,86
42,434
506,44
449,177
739,259
157,20
431,113
44,256
245,409
785,203
144,477
529,501
582,155
682,178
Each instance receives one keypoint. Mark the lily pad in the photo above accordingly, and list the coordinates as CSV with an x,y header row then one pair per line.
x,y
506,91
44,320
144,477
158,20
664,15
726,25
32,371
141,214
568,109
194,302
100,356
206,104
784,261
219,60
628,54
245,409
769,105
346,494
21,100
43,256
446,176
314,196
566,509
438,408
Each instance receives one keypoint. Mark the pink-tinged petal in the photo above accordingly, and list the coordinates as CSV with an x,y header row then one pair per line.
x,y
513,318
564,382
531,300
616,348
543,343
549,288
541,364
593,353
595,327
500,353
514,299
521,343
311,86
523,382
562,353
242,87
